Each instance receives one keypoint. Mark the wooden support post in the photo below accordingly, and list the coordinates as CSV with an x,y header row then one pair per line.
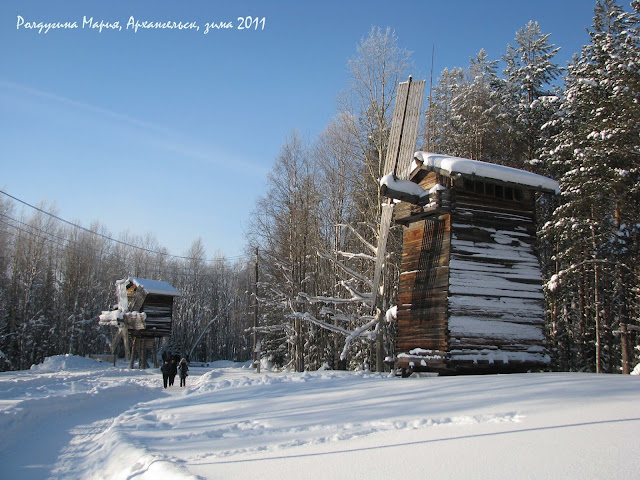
x,y
127,346
256,353
132,355
155,353
143,355
115,341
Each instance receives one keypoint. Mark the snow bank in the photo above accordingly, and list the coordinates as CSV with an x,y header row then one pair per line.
x,y
115,457
216,380
230,364
67,362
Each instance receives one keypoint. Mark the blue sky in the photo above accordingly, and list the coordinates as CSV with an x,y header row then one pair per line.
x,y
173,132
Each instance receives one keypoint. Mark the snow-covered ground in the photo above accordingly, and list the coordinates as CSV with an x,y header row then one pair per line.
x,y
73,418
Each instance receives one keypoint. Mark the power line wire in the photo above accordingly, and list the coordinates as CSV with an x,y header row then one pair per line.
x,y
106,237
111,258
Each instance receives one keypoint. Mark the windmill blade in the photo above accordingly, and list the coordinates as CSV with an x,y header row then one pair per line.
x,y
397,124
409,133
404,128
402,144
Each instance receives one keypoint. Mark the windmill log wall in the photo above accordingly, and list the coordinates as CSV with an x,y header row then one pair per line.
x,y
470,296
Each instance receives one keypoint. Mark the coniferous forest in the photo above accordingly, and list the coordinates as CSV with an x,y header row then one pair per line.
x,y
313,233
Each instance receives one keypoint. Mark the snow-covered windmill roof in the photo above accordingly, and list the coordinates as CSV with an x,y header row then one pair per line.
x,y
154,287
464,166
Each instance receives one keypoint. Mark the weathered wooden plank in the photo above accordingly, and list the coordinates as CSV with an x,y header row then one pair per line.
x,y
497,308
509,280
429,181
426,344
415,263
423,215
410,130
136,298
419,275
421,299
429,340
397,124
418,241
154,310
491,214
423,284
495,266
416,232
134,320
430,333
402,210
472,345
435,314
417,251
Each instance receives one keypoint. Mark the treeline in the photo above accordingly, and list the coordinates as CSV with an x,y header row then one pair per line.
x,y
56,278
317,225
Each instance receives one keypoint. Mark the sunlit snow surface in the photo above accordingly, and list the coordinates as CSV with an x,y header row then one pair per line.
x,y
74,418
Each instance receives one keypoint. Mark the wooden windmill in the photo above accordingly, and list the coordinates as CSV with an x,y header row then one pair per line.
x,y
470,296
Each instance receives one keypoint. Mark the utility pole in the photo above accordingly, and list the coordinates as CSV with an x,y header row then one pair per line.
x,y
433,51
256,356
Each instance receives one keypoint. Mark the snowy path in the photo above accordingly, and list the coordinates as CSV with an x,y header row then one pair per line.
x,y
100,422
45,409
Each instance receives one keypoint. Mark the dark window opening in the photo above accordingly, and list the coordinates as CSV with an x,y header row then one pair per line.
x,y
508,193
468,184
517,194
490,189
493,190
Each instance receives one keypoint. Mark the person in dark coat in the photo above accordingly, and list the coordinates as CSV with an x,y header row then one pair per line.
x,y
184,368
173,366
166,370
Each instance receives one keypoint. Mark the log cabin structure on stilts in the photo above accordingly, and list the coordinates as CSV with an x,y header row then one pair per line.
x,y
470,296
144,315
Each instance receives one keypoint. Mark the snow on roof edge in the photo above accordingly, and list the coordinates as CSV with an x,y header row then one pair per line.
x,y
156,287
465,166
406,186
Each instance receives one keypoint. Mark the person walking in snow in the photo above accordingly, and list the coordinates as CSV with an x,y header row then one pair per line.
x,y
166,370
183,367
173,371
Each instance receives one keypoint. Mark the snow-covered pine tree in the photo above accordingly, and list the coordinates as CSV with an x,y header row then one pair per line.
x,y
595,228
528,93
467,119
439,114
